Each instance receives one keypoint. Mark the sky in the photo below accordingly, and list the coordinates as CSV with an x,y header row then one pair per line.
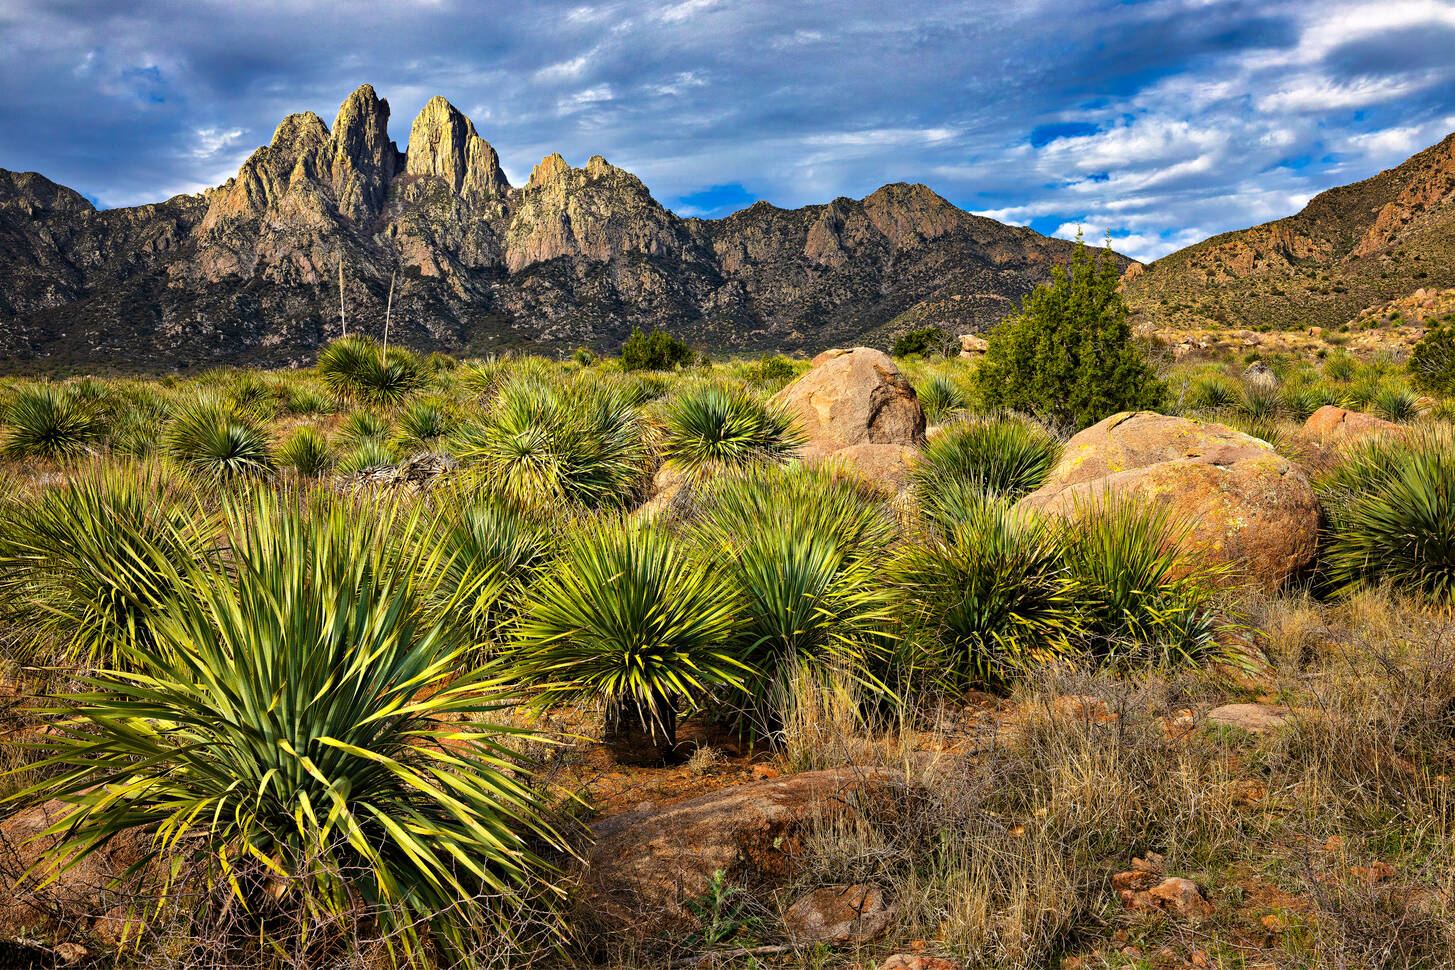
x,y
1162,122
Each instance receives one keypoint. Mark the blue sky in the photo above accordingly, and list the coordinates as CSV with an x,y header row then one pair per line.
x,y
1163,121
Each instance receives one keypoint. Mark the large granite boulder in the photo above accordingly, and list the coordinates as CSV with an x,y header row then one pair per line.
x,y
854,397
1333,424
1244,503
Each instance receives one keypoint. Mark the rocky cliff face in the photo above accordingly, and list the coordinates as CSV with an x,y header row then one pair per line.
x,y
248,272
1352,247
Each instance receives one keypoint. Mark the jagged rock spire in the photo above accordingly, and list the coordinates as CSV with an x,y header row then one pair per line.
x,y
443,142
362,158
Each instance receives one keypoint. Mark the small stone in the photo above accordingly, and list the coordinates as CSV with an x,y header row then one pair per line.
x,y
1175,896
1253,718
838,914
917,961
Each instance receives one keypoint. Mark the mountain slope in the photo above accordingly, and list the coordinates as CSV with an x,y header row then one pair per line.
x,y
249,271
1350,248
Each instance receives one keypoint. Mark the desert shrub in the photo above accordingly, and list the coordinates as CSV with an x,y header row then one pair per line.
x,y
1212,391
995,456
584,357
1302,400
1068,355
712,427
1432,362
1391,515
809,581
214,439
772,369
138,413
924,342
560,442
89,563
304,765
488,553
940,398
1394,403
358,369
366,453
423,424
993,590
627,619
658,350
307,400
1140,595
1258,402
362,426
307,453
44,421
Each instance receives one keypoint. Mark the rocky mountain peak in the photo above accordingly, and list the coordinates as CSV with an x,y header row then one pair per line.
x,y
362,158
299,133
443,143
550,168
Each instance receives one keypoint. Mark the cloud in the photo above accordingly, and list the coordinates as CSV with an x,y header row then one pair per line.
x,y
1163,122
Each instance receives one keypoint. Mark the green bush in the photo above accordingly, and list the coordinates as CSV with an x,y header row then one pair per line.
x,y
313,761
924,342
624,617
1432,362
994,592
658,350
772,369
358,369
1391,515
1068,356
997,456
713,427
216,440
49,422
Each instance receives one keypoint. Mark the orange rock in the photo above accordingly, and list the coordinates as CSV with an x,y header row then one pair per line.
x,y
1333,423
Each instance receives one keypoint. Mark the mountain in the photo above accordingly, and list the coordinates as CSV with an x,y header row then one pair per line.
x,y
248,272
1351,248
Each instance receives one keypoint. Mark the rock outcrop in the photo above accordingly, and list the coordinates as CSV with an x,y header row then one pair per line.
x,y
1243,503
1332,423
248,272
854,397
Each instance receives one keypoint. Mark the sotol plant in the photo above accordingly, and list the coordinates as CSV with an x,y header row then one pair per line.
x,y
358,369
322,748
998,456
714,427
213,439
44,421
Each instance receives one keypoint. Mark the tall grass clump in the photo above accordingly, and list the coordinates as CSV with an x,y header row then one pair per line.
x,y
542,444
625,618
215,440
88,564
323,751
993,591
1391,515
713,427
44,421
358,369
1002,456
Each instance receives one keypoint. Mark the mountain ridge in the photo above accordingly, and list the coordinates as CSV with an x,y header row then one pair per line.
x,y
248,271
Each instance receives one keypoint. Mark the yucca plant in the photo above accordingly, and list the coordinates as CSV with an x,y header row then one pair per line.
x,y
87,564
423,424
306,739
1141,595
940,398
361,426
994,590
307,453
308,400
213,439
713,427
1395,403
44,421
1212,392
1258,402
568,442
626,618
996,456
488,553
365,454
1391,512
137,414
811,584
1302,400
358,369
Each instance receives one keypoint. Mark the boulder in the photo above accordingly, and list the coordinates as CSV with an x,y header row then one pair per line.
x,y
644,864
973,346
1245,504
854,397
888,467
838,914
77,899
1333,423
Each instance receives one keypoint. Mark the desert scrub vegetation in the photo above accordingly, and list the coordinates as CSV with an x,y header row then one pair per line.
x,y
350,724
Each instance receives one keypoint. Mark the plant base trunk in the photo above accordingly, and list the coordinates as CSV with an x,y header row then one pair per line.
x,y
637,736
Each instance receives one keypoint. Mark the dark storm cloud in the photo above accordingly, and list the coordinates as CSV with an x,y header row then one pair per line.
x,y
1163,121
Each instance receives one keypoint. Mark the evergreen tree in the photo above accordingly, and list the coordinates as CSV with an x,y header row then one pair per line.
x,y
1068,356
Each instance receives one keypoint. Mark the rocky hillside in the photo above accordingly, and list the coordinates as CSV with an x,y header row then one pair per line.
x,y
248,272
1352,247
